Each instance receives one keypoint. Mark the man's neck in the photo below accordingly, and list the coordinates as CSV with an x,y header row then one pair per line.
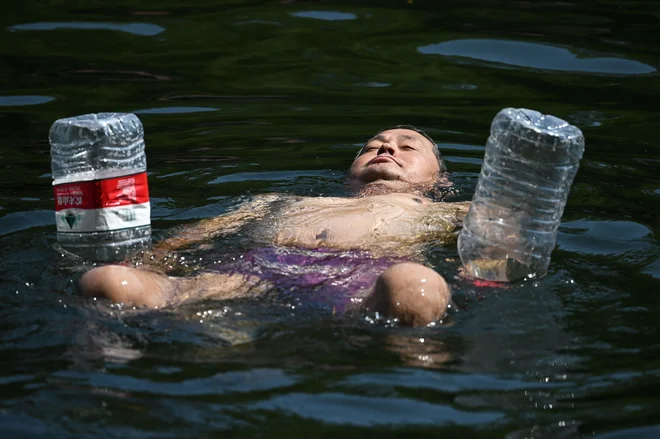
x,y
436,191
381,187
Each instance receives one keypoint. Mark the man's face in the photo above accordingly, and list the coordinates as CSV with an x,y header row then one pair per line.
x,y
396,155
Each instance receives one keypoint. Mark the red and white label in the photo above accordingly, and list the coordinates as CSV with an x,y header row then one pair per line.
x,y
102,205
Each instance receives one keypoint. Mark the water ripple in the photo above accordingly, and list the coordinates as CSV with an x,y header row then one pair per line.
x,y
175,110
653,269
337,408
650,432
145,29
16,221
19,101
445,382
273,176
535,55
602,237
325,15
230,382
460,147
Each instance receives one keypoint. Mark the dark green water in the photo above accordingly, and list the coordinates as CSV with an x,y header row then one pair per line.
x,y
245,97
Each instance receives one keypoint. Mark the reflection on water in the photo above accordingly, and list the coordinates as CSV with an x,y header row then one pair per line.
x,y
15,221
653,269
372,84
457,159
274,23
640,433
274,176
17,101
535,55
343,409
590,118
460,87
174,110
221,383
145,29
245,98
325,15
455,146
602,237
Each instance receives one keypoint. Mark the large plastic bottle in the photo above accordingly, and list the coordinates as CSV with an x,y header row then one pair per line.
x,y
100,185
529,166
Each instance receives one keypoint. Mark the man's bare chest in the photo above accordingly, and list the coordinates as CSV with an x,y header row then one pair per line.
x,y
384,224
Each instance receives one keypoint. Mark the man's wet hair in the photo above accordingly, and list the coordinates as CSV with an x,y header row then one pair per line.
x,y
436,150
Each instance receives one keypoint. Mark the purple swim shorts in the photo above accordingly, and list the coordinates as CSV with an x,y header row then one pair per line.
x,y
328,278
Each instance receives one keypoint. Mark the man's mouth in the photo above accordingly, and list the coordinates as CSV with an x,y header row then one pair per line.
x,y
382,159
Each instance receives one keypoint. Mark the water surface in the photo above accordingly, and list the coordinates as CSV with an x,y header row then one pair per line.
x,y
245,97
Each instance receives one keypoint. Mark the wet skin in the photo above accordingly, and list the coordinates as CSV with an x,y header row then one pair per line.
x,y
387,217
396,158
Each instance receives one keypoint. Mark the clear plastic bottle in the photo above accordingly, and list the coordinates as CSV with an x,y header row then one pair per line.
x,y
102,208
511,228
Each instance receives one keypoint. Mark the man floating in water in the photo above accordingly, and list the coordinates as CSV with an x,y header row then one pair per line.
x,y
359,252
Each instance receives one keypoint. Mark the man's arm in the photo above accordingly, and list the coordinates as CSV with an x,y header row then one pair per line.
x,y
458,211
443,221
156,259
211,228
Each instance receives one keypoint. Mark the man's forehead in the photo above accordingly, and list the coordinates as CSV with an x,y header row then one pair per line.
x,y
400,134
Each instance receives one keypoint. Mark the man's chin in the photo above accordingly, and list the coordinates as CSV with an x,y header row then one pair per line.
x,y
379,172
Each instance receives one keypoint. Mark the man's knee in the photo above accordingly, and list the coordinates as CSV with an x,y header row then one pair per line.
x,y
410,292
125,285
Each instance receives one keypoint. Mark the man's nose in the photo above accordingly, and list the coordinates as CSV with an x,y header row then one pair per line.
x,y
386,148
